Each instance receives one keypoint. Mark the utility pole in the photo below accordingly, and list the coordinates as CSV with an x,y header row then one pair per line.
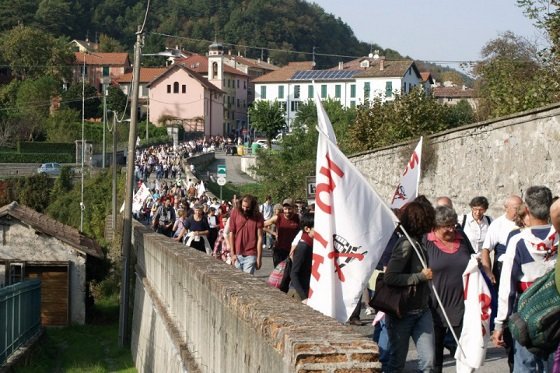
x,y
82,206
124,332
104,122
114,171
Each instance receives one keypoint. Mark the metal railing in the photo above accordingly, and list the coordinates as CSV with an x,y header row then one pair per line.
x,y
20,315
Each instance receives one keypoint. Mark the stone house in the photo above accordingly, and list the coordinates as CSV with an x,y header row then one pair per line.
x,y
34,245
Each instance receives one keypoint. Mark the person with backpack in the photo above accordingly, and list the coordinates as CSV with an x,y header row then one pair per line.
x,y
530,254
475,225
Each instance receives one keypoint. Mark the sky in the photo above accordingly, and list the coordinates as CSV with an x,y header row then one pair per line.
x,y
433,30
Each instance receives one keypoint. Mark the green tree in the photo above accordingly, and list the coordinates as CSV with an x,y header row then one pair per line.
x,y
384,123
55,16
267,118
63,183
116,99
512,78
72,99
63,126
32,53
33,102
35,192
283,173
108,44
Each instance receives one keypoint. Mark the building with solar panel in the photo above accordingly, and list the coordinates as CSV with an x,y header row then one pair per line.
x,y
352,83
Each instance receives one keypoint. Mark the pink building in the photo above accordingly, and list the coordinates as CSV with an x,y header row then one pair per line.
x,y
181,96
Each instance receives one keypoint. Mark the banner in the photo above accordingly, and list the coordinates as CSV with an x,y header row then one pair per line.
x,y
407,190
139,198
200,189
476,320
352,228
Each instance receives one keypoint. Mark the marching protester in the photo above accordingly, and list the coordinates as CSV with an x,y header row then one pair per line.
x,y
196,231
246,235
405,270
529,255
448,255
476,223
287,226
302,259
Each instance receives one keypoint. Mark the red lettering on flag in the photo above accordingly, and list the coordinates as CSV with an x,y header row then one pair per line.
x,y
334,255
317,261
327,187
485,302
412,163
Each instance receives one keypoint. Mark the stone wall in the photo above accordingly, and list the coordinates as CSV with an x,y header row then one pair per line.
x,y
493,158
195,313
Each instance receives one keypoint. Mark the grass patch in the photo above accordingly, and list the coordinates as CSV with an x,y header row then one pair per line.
x,y
82,348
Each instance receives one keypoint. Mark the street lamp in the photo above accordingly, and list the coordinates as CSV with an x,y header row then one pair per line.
x,y
82,207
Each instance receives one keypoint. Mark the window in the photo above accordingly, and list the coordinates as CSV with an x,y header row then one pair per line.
x,y
84,70
176,87
237,83
337,91
282,105
388,89
244,84
280,91
366,89
309,91
169,88
297,89
263,92
238,102
184,88
323,91
352,90
294,105
105,70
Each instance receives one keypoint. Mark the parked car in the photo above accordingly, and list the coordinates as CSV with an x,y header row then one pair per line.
x,y
51,169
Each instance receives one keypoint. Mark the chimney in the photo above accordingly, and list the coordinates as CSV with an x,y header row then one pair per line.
x,y
268,60
340,65
381,65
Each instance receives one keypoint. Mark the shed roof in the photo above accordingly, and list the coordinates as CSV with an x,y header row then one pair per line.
x,y
120,59
47,225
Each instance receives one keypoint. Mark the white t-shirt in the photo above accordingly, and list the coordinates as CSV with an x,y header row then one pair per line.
x,y
476,232
498,233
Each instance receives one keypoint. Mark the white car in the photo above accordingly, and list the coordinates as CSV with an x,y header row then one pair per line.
x,y
51,169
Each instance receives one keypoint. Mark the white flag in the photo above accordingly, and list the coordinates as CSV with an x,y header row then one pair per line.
x,y
476,320
407,190
200,189
140,197
352,228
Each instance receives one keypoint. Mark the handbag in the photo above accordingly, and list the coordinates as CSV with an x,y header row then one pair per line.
x,y
393,300
280,275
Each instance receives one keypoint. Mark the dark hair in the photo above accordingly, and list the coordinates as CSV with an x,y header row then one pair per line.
x,y
253,204
307,220
479,201
538,200
417,218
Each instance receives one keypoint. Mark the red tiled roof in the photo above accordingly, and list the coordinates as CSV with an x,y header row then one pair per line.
x,y
147,74
453,92
426,75
199,64
102,58
52,227
284,73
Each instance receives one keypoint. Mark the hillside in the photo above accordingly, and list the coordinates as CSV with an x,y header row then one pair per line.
x,y
294,25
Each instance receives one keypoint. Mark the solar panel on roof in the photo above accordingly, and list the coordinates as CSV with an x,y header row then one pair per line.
x,y
323,74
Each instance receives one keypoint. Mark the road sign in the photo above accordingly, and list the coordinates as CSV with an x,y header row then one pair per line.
x,y
221,181
221,170
310,190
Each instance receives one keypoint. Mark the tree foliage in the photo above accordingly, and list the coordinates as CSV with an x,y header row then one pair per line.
x,y
268,118
62,126
116,99
513,78
283,173
72,99
383,123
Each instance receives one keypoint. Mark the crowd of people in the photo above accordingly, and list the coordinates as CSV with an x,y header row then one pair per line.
x,y
514,250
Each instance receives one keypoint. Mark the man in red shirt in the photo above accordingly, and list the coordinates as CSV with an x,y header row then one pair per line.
x,y
245,235
287,227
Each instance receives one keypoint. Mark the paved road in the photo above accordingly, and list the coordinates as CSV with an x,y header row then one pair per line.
x,y
496,360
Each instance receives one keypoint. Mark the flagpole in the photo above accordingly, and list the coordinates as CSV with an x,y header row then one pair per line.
x,y
416,250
